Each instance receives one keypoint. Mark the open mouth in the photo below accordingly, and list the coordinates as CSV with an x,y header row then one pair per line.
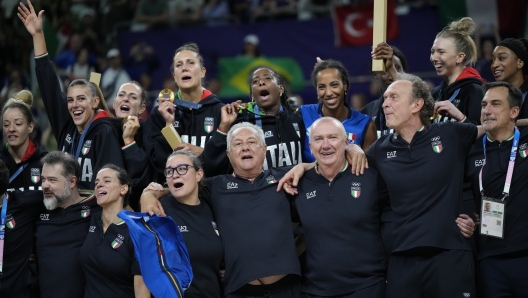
x,y
264,94
178,185
186,78
244,157
125,108
77,114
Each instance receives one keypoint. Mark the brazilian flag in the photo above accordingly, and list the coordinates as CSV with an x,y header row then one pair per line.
x,y
234,73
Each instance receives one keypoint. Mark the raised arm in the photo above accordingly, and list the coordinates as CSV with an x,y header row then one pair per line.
x,y
33,24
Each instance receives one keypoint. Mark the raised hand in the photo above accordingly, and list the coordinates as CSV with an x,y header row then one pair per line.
x,y
32,22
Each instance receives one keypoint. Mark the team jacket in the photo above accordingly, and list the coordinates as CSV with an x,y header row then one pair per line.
x,y
100,145
524,109
195,126
469,97
494,172
29,178
136,161
19,273
356,125
284,134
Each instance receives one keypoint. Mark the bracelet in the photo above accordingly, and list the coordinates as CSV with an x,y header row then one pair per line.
x,y
463,119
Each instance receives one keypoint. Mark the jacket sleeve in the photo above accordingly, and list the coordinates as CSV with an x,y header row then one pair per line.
x,y
139,169
215,160
107,148
156,147
52,96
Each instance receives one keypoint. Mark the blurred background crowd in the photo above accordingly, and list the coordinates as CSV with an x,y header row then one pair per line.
x,y
135,40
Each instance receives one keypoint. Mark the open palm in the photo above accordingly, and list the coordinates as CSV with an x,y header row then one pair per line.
x,y
30,19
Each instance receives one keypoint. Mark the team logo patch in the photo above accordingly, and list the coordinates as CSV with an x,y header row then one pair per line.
x,y
268,134
86,147
176,124
523,150
215,228
270,179
208,124
118,241
35,175
351,137
355,189
311,194
436,144
232,185
10,221
68,139
85,212
296,127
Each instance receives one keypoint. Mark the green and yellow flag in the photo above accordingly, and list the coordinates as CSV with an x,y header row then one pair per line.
x,y
234,73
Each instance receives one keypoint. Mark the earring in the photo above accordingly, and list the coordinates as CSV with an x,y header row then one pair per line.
x,y
280,94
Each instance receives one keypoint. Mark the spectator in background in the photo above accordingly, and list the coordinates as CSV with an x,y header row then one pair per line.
x,y
187,12
295,101
142,60
275,9
241,10
68,56
117,12
216,12
151,14
113,77
81,69
357,101
93,40
485,46
251,47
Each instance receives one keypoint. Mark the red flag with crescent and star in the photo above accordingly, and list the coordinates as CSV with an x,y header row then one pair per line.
x,y
353,23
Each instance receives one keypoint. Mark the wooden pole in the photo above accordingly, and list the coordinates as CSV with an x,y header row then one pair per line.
x,y
379,29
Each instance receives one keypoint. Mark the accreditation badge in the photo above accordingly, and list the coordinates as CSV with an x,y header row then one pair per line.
x,y
492,214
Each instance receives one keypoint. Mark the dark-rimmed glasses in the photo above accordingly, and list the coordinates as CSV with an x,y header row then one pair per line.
x,y
180,169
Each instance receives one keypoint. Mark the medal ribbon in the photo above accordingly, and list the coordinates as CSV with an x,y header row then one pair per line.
x,y
511,163
81,141
15,174
2,230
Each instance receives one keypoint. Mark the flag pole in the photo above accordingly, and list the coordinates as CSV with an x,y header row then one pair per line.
x,y
379,31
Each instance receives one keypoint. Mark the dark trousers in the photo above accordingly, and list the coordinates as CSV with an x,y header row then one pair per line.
x,y
287,287
443,274
504,276
374,291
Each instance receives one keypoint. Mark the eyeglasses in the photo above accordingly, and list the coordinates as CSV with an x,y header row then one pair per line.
x,y
180,169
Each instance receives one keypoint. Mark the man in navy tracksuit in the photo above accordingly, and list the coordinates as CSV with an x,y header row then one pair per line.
x,y
503,256
431,257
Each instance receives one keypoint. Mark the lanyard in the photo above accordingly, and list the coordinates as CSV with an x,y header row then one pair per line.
x,y
524,96
2,230
256,111
186,104
22,167
455,94
511,164
81,141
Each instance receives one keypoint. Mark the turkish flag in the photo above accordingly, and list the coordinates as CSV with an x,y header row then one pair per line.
x,y
353,23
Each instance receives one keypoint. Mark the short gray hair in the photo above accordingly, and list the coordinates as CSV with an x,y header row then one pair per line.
x,y
330,119
257,131
420,90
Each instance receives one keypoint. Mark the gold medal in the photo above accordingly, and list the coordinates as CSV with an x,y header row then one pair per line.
x,y
242,106
167,93
125,120
435,115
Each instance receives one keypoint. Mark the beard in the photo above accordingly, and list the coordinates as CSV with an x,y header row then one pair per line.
x,y
54,202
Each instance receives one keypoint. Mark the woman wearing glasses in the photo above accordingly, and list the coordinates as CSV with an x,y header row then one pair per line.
x,y
184,174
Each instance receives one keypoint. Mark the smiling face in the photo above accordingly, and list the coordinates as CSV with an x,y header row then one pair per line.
x,y
188,72
55,187
496,115
445,57
16,128
330,88
81,105
186,185
108,190
128,101
505,65
265,89
247,153
328,143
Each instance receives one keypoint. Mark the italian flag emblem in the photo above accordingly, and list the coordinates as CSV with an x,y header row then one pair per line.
x,y
35,179
35,175
436,144
10,221
523,150
115,244
355,190
351,137
356,193
437,148
208,124
85,211
86,148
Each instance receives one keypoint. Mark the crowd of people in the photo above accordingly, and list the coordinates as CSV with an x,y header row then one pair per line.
x,y
407,199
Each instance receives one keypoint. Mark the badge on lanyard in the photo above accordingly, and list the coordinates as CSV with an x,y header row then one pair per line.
x,y
493,210
492,215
